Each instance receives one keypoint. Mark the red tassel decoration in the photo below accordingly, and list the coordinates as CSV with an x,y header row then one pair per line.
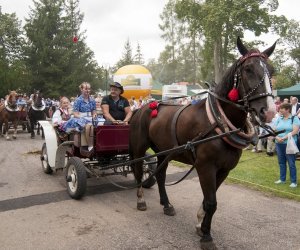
x,y
153,105
233,95
154,113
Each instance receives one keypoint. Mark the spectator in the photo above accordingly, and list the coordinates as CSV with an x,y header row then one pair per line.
x,y
286,100
295,105
291,125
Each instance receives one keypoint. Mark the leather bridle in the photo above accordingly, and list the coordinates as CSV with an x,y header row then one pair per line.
x,y
249,97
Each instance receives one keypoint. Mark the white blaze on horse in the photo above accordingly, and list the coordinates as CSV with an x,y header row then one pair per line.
x,y
9,113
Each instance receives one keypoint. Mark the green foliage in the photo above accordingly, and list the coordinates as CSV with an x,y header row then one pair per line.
x,y
57,64
127,57
286,77
221,21
12,66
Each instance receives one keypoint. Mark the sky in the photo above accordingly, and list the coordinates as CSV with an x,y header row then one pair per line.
x,y
109,23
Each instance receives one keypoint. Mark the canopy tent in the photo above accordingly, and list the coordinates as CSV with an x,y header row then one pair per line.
x,y
290,91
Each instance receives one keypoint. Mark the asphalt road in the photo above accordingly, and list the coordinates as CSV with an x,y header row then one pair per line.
x,y
37,213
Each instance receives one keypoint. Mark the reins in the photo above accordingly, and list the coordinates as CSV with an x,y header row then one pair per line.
x,y
170,152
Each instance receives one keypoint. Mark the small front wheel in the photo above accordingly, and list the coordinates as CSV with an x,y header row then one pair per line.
x,y
76,178
44,159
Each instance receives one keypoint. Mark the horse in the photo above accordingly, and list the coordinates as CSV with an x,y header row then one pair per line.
x,y
37,112
9,113
244,89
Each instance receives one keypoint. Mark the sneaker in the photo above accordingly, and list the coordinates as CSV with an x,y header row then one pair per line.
x,y
279,182
253,150
293,185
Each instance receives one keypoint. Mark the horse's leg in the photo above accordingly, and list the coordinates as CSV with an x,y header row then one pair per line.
x,y
32,128
138,173
15,129
207,177
38,129
1,128
161,180
6,130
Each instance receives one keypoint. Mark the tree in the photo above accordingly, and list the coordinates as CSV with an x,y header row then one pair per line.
x,y
292,40
127,57
138,57
12,73
221,21
57,62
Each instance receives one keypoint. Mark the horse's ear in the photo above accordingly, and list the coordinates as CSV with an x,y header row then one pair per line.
x,y
270,50
241,47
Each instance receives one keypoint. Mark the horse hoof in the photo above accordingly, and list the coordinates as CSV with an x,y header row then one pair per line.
x,y
7,138
170,211
206,238
14,137
142,206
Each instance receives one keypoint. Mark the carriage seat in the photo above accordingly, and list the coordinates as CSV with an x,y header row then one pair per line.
x,y
62,135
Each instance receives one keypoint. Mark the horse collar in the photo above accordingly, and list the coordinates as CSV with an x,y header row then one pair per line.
x,y
42,108
217,116
6,104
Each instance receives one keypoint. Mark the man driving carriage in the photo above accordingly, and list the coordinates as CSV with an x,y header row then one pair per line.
x,y
115,107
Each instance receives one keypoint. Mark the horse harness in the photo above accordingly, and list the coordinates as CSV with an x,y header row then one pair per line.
x,y
217,118
8,107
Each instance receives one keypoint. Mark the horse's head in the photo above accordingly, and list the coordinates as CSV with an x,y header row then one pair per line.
x,y
248,83
37,99
12,99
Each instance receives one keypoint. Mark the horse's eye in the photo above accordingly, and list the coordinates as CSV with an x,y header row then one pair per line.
x,y
248,69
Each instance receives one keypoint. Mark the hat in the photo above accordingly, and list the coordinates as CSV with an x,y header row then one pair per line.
x,y
117,85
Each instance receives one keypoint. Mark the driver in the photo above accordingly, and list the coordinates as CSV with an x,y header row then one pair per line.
x,y
116,108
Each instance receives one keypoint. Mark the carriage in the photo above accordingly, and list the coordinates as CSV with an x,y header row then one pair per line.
x,y
68,152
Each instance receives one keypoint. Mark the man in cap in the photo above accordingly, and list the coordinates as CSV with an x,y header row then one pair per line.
x,y
116,108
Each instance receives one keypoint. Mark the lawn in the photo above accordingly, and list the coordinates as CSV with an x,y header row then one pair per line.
x,y
259,171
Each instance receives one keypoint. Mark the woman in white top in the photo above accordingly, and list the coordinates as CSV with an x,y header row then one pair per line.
x,y
62,115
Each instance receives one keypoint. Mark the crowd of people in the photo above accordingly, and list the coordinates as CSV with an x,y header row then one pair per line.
x,y
286,119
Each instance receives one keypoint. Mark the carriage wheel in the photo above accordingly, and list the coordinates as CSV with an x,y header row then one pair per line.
x,y
44,159
148,169
76,178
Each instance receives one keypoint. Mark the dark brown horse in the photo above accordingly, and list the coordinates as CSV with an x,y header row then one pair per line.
x,y
244,89
9,113
37,112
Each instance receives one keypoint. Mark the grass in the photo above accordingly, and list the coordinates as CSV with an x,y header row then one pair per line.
x,y
258,172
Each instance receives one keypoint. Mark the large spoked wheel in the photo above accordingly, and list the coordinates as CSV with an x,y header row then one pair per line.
x,y
148,169
76,178
44,159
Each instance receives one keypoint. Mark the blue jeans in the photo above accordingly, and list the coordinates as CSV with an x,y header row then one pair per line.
x,y
282,159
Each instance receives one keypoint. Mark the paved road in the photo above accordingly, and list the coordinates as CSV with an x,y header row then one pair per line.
x,y
36,212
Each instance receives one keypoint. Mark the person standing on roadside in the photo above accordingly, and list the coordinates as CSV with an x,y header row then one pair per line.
x,y
291,125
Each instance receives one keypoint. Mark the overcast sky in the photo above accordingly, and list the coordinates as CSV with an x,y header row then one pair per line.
x,y
109,23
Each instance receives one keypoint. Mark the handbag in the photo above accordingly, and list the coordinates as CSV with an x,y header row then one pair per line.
x,y
291,147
